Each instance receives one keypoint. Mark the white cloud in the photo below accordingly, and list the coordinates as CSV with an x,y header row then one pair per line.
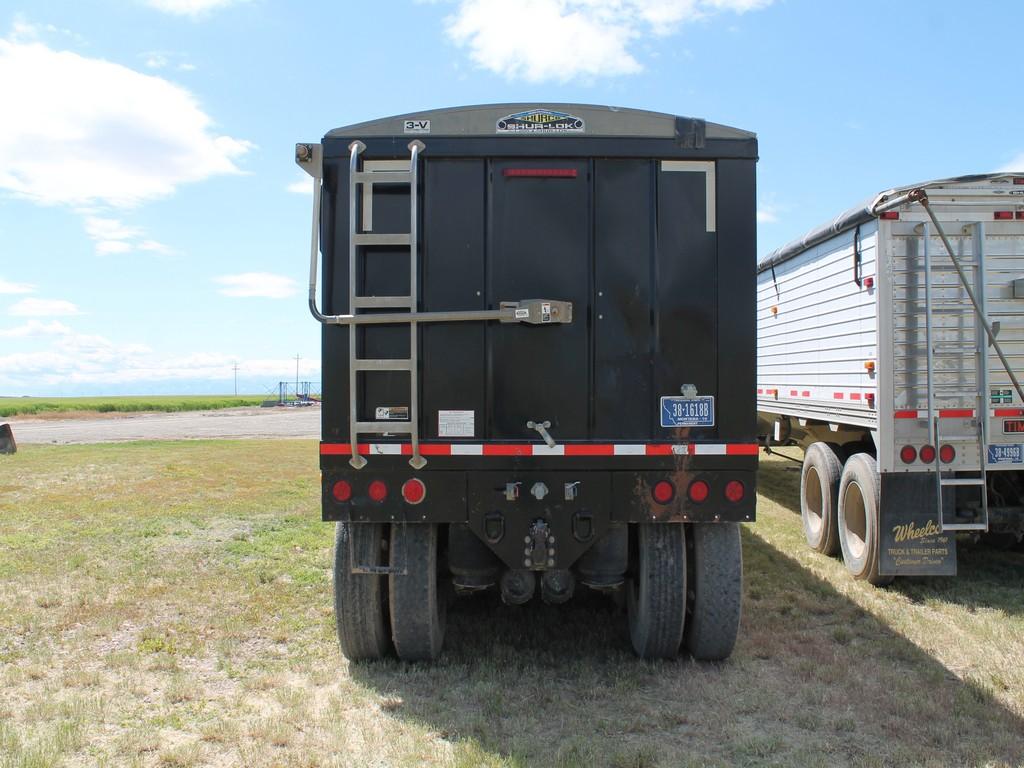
x,y
767,214
257,284
101,229
56,355
538,40
34,328
113,236
156,61
193,8
1014,166
8,287
303,186
153,246
42,308
83,131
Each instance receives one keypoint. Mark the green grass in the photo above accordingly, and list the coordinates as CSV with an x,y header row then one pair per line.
x,y
169,604
34,406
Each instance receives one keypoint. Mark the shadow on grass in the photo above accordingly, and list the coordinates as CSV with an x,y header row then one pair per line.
x,y
986,577
815,680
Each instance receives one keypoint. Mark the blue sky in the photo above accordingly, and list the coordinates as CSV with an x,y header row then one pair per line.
x,y
154,229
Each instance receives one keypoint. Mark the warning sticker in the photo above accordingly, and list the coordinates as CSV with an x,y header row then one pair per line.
x,y
399,412
540,121
456,424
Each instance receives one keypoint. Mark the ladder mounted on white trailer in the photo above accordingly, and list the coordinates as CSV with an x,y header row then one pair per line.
x,y
979,478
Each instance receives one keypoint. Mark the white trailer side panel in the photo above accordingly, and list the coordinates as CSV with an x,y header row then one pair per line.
x,y
817,332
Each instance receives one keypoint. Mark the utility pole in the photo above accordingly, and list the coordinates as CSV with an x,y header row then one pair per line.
x,y
236,379
296,377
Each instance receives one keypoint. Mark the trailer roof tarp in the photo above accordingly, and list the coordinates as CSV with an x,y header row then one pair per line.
x,y
859,214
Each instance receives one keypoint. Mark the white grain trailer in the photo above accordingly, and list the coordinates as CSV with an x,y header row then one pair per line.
x,y
890,342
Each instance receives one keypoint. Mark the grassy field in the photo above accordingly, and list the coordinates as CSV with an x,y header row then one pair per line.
x,y
168,605
39,406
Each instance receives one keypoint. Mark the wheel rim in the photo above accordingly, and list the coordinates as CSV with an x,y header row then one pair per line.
x,y
813,501
855,520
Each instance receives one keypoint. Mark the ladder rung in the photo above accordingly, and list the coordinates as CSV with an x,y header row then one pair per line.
x,y
369,364
374,239
382,302
962,481
380,427
965,526
383,177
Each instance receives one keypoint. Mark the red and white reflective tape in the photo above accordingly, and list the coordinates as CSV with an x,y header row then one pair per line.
x,y
527,449
785,393
959,413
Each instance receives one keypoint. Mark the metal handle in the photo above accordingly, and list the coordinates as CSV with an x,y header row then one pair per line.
x,y
309,157
542,427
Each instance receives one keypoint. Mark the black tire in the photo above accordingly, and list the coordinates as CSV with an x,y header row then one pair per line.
x,y
656,595
417,608
859,504
715,590
360,600
819,498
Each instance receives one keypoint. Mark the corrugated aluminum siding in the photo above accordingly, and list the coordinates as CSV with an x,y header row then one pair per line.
x,y
811,353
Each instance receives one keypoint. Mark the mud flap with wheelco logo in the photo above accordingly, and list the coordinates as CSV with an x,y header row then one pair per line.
x,y
911,542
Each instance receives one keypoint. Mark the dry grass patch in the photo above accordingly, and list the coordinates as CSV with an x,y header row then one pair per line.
x,y
169,605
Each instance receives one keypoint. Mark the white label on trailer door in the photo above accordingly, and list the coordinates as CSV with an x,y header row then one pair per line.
x,y
417,126
456,423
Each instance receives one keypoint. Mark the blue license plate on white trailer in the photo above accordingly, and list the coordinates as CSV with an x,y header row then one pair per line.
x,y
1006,454
688,411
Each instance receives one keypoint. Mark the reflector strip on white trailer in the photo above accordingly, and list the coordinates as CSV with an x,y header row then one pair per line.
x,y
539,449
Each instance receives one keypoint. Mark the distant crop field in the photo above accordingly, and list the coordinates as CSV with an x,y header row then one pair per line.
x,y
168,604
35,406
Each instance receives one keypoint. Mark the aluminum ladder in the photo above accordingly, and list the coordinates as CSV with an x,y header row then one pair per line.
x,y
310,158
977,478
357,240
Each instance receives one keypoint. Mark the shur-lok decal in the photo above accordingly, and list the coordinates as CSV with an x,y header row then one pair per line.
x,y
540,121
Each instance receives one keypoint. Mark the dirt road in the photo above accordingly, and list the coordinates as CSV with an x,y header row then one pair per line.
x,y
225,423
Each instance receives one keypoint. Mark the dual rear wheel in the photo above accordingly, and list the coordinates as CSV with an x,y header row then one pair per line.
x,y
839,508
685,592
376,612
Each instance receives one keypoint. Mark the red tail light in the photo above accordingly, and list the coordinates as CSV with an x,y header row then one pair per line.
x,y
341,491
378,491
947,453
734,490
414,491
1020,214
1002,215
663,492
890,215
908,454
927,454
698,491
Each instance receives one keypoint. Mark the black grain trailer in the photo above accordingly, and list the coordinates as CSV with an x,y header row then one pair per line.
x,y
538,366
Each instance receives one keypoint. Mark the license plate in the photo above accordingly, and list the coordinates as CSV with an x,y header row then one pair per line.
x,y
1006,454
688,411
1013,427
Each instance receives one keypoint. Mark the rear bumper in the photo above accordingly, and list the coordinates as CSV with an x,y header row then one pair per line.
x,y
458,496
